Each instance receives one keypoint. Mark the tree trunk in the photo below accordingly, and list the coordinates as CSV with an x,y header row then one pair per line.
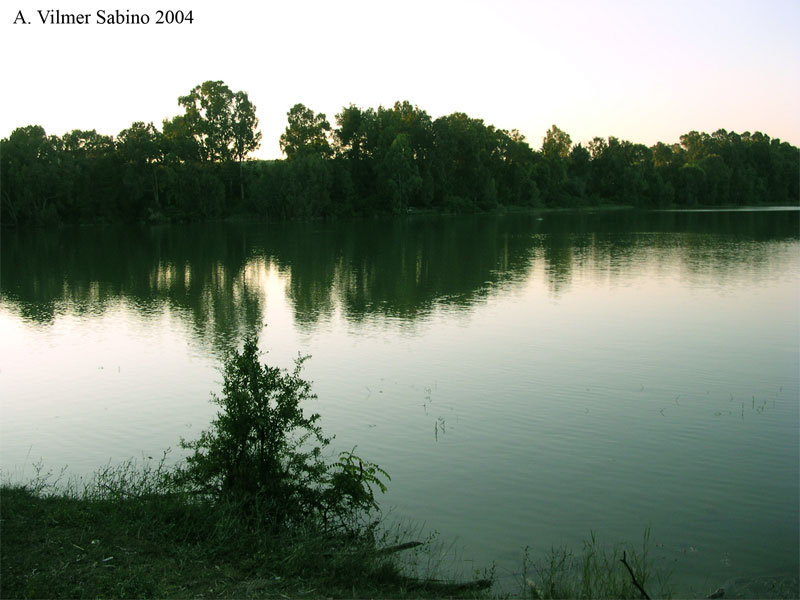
x,y
155,187
241,181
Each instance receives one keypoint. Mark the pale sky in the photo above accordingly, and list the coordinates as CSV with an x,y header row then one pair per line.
x,y
645,71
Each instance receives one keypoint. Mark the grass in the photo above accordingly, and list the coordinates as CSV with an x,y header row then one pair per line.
x,y
595,573
123,535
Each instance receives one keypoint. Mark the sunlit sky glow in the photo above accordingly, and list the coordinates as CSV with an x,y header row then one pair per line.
x,y
641,71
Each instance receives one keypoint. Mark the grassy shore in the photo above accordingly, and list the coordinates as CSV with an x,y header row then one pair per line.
x,y
69,545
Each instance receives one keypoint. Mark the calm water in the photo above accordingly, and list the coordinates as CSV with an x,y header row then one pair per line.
x,y
525,380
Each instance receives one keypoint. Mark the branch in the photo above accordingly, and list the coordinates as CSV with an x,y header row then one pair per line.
x,y
399,547
447,587
624,561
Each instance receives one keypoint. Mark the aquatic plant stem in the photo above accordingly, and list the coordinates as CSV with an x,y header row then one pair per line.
x,y
624,561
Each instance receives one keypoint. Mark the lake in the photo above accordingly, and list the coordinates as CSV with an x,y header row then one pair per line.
x,y
525,379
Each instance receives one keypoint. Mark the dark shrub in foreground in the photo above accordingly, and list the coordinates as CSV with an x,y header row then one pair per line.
x,y
264,454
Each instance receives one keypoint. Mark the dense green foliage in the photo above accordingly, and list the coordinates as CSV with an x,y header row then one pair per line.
x,y
264,455
389,160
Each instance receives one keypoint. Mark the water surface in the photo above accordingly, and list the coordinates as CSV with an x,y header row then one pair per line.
x,y
524,379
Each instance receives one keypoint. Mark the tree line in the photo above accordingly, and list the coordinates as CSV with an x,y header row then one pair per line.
x,y
389,160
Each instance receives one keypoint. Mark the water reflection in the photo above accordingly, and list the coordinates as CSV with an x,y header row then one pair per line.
x,y
401,269
197,272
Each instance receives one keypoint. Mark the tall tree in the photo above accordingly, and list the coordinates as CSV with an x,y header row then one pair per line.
x,y
30,176
139,143
91,160
246,137
208,117
553,171
351,136
399,173
556,143
222,122
306,134
140,147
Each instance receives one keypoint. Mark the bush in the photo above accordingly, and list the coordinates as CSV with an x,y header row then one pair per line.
x,y
265,456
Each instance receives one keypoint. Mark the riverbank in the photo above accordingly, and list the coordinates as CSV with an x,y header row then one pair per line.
x,y
61,545
254,218
499,211
162,546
